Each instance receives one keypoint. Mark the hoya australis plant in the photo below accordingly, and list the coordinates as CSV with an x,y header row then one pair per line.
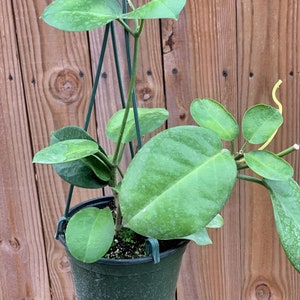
x,y
178,182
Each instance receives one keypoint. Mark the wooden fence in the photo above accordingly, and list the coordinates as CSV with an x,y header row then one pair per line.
x,y
233,51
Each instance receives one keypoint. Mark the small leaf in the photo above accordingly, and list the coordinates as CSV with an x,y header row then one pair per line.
x,y
79,174
216,222
157,9
76,172
201,237
268,165
149,118
285,197
66,151
81,15
89,234
69,133
260,122
212,115
99,167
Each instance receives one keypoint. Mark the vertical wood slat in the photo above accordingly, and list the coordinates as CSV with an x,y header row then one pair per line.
x,y
268,40
23,272
200,61
57,83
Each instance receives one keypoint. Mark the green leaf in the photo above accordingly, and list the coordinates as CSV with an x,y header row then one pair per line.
x,y
81,15
149,118
157,9
99,167
177,183
79,174
69,133
213,115
285,197
268,165
216,222
76,172
89,234
260,122
66,151
201,237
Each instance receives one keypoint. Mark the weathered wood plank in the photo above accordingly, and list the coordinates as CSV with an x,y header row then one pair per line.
x,y
57,81
200,61
268,38
23,272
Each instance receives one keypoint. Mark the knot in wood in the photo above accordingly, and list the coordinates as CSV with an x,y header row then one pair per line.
x,y
262,292
145,93
14,244
66,86
64,264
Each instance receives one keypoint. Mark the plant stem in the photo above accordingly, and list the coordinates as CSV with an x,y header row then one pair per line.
x,y
288,150
250,178
126,26
130,92
120,145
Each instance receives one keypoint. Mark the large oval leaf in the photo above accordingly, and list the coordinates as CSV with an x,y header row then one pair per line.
x,y
177,183
66,151
76,172
157,9
81,15
213,115
285,197
260,122
149,118
268,165
89,234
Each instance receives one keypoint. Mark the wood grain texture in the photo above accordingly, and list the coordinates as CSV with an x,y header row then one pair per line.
x,y
200,61
57,81
268,39
24,271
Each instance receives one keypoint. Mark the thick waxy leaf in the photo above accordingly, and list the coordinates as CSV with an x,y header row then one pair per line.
x,y
76,172
157,9
99,167
212,115
285,197
216,222
201,238
149,118
79,174
260,122
268,165
66,151
69,133
81,15
89,234
177,183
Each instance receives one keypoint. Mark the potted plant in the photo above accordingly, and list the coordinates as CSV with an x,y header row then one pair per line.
x,y
176,184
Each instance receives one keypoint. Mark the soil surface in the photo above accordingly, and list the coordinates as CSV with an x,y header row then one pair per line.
x,y
127,245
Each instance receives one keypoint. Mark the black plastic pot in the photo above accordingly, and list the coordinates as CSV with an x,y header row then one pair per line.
x,y
130,279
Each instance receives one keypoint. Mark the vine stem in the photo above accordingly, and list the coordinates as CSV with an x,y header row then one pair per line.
x,y
274,90
250,178
130,92
119,148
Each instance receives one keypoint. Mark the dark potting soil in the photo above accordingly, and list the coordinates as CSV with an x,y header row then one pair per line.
x,y
128,244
